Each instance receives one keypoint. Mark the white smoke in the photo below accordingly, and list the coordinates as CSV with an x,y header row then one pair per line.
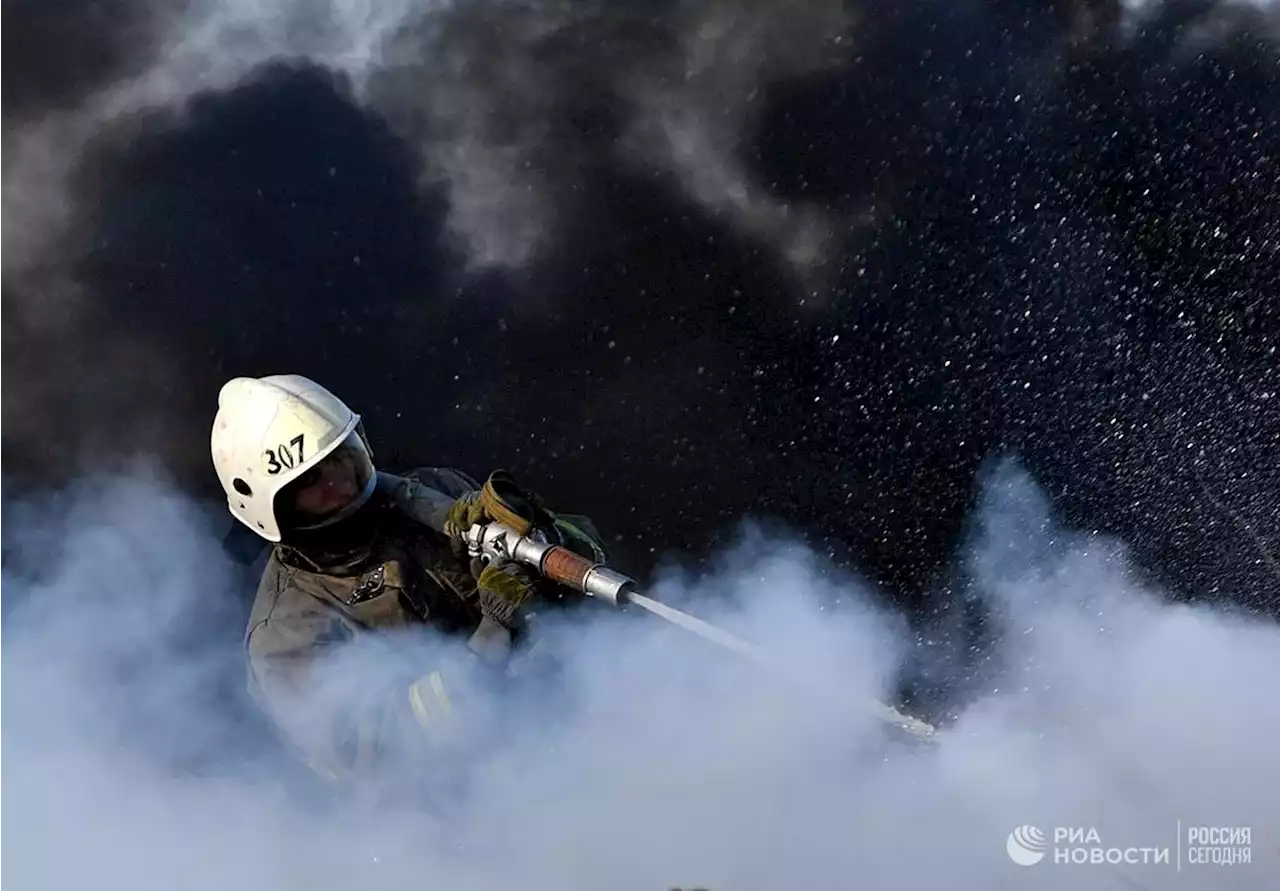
x,y
657,761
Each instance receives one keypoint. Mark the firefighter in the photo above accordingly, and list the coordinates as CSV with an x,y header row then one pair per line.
x,y
360,557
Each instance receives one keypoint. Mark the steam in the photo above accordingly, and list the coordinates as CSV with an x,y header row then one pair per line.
x,y
654,761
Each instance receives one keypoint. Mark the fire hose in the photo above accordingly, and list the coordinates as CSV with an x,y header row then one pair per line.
x,y
497,542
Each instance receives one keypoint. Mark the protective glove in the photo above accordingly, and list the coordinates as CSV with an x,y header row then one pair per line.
x,y
502,500
468,509
504,589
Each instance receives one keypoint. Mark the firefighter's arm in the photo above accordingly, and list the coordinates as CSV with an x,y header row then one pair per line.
x,y
428,493
347,708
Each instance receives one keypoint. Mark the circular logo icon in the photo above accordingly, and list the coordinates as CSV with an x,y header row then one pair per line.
x,y
1026,846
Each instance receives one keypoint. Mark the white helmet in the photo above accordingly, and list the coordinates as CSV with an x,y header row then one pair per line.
x,y
272,431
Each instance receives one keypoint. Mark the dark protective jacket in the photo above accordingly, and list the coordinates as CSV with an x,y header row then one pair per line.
x,y
344,650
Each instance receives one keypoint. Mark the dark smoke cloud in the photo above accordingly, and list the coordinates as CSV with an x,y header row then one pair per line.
x,y
683,85
494,129
101,42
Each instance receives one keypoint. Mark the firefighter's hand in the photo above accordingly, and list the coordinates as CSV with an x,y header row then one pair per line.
x,y
498,500
467,510
504,589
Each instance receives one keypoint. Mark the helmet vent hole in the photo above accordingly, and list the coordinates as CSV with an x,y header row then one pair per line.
x,y
242,487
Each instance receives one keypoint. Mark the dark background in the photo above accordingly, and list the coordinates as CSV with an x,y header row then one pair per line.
x,y
1079,269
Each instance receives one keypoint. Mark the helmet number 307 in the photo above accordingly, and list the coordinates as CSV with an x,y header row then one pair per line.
x,y
283,457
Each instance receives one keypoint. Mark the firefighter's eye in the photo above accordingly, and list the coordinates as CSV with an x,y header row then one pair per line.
x,y
309,478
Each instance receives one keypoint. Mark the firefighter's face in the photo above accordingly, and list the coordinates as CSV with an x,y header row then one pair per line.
x,y
329,486
326,490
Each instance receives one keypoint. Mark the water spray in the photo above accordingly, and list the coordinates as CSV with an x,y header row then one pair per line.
x,y
497,543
